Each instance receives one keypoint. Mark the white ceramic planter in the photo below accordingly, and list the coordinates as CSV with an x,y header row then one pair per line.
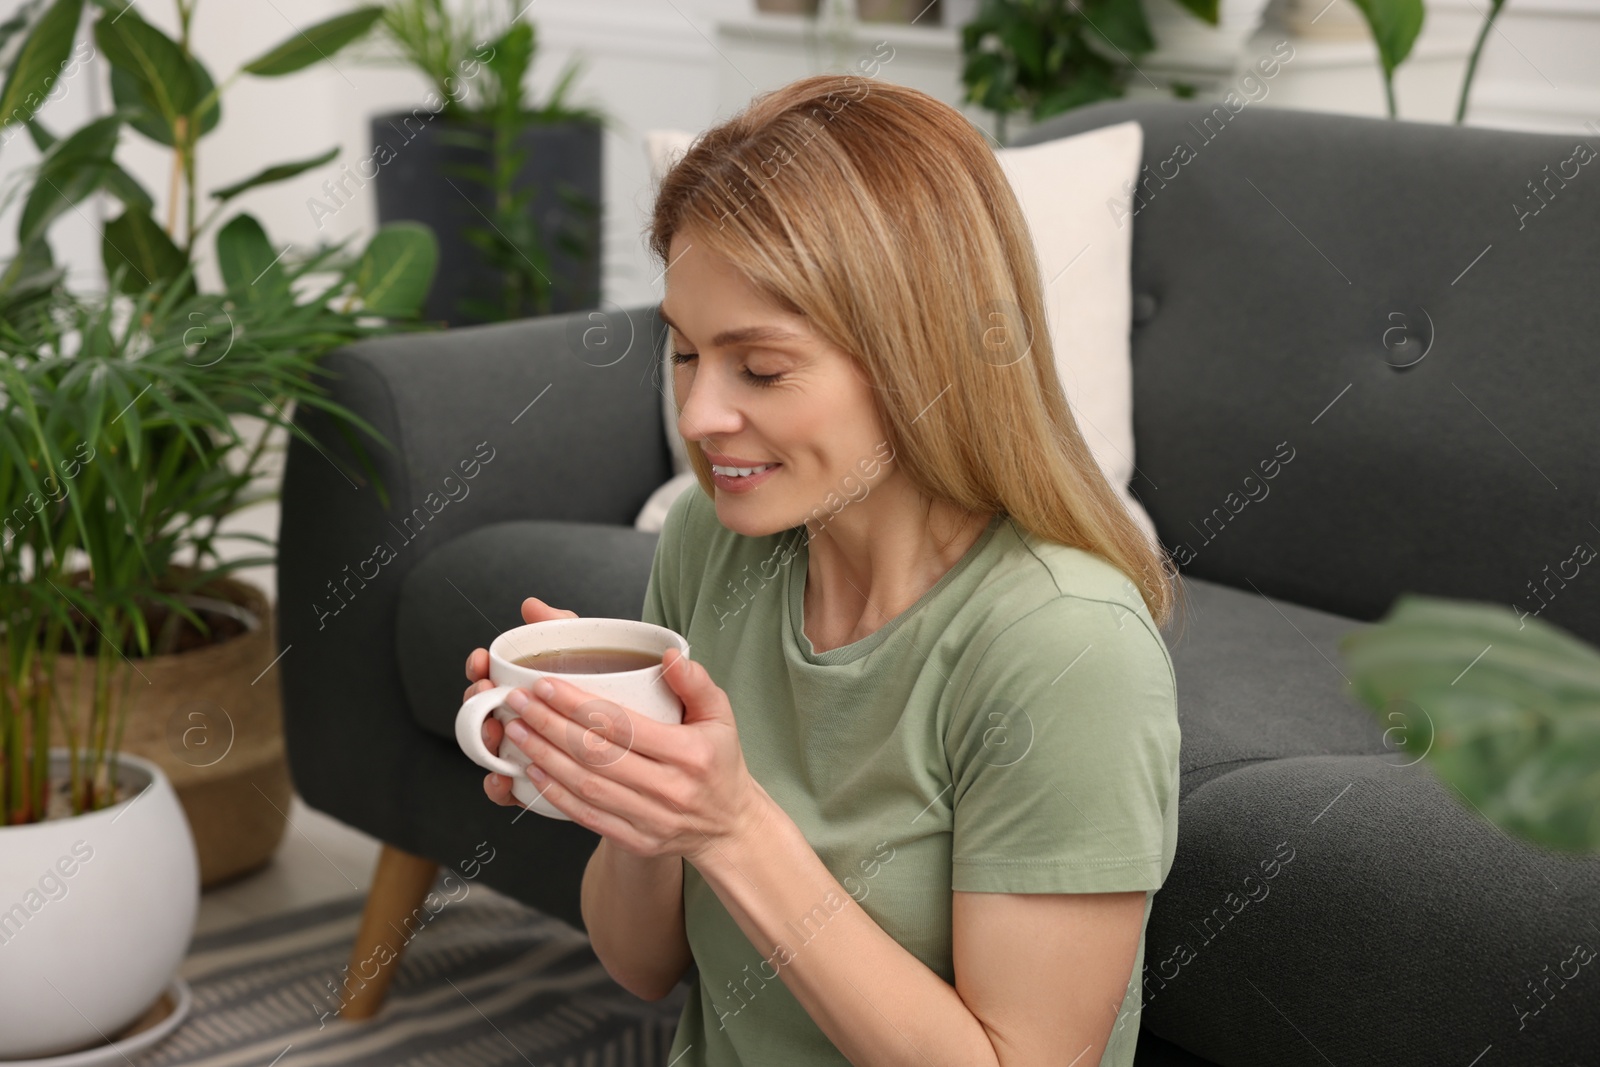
x,y
96,913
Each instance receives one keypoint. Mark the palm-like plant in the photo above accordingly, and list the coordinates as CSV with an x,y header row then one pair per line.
x,y
119,461
477,56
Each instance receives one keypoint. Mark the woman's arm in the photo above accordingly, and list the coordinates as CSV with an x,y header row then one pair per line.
x,y
1040,976
876,1001
633,908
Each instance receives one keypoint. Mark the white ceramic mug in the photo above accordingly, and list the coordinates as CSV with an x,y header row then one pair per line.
x,y
644,691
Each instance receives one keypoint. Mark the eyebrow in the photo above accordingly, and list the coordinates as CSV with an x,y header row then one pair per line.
x,y
743,335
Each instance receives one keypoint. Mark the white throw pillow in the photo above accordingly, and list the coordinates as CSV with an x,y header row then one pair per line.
x,y
666,147
1086,258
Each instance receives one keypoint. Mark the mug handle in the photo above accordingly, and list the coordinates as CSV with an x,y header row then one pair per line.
x,y
469,730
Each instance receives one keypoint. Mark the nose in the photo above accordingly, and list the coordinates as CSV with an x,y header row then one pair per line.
x,y
705,410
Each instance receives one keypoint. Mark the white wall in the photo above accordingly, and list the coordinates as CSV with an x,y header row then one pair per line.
x,y
652,63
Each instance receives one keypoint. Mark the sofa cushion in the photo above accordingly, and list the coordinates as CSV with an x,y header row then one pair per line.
x,y
1470,473
1354,909
471,589
1261,679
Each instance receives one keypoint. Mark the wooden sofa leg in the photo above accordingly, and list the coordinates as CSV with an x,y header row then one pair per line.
x,y
400,883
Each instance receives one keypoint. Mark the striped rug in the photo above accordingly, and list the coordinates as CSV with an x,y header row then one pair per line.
x,y
487,981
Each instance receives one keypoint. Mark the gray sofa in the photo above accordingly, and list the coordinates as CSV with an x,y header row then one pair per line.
x,y
1378,301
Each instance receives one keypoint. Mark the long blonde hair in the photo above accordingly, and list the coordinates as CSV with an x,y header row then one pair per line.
x,y
883,216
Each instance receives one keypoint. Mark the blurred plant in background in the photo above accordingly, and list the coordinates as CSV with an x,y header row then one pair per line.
x,y
478,59
1395,25
1472,60
1505,710
120,456
1043,57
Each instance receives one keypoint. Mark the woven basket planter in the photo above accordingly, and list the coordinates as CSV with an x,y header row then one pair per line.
x,y
211,719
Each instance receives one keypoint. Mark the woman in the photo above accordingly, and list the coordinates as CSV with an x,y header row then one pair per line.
x,y
927,776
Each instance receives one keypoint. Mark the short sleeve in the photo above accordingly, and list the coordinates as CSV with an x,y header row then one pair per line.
x,y
662,606
1063,755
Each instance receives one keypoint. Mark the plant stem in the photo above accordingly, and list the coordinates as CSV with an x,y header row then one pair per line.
x,y
191,133
188,187
177,173
1388,92
1472,60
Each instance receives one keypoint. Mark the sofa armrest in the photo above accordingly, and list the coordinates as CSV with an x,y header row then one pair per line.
x,y
550,418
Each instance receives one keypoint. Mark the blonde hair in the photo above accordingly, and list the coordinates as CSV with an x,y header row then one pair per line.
x,y
882,216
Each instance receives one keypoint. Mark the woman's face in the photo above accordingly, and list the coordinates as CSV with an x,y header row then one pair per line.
x,y
762,388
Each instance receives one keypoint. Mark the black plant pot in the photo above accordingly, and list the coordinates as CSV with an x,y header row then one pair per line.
x,y
420,177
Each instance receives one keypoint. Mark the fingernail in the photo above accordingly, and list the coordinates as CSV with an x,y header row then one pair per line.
x,y
516,731
544,688
517,701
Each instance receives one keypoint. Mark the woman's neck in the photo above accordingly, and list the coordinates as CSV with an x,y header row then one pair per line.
x,y
867,565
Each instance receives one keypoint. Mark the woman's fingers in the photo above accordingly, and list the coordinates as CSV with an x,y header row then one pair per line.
x,y
498,789
536,610
493,731
497,786
477,664
475,688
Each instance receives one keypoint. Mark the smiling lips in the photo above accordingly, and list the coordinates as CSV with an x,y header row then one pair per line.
x,y
740,472
742,479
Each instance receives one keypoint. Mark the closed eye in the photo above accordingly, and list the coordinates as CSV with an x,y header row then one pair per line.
x,y
753,379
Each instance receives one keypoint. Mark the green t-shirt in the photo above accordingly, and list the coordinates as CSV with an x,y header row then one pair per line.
x,y
1013,731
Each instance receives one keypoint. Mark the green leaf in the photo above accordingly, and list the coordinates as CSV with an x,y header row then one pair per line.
x,y
39,62
160,77
70,170
128,96
1204,10
118,182
42,138
1395,25
134,240
396,269
1026,47
21,18
1506,710
1087,88
28,276
250,268
513,55
122,185
1122,23
314,43
277,173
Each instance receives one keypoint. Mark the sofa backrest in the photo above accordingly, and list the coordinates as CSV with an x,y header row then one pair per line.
x,y
1365,355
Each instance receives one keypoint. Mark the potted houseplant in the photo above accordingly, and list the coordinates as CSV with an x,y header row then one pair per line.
x,y
511,188
1043,57
121,454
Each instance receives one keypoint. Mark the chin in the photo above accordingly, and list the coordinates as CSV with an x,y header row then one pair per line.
x,y
743,515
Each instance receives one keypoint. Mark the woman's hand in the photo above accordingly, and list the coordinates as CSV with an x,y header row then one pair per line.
x,y
655,789
498,786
